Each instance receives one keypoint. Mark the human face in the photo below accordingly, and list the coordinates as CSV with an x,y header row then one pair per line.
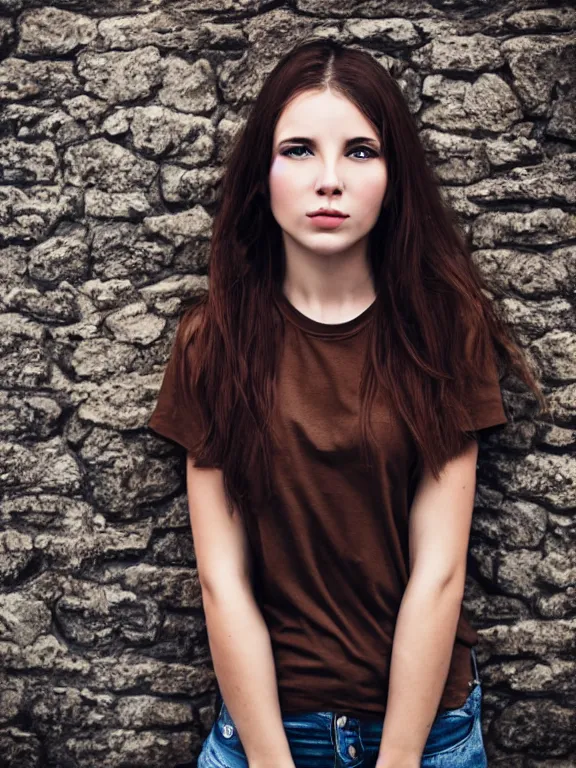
x,y
325,171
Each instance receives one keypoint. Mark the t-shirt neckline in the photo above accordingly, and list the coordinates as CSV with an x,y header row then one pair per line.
x,y
315,327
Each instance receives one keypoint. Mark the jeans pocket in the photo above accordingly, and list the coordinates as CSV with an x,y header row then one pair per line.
x,y
453,728
226,739
222,747
226,727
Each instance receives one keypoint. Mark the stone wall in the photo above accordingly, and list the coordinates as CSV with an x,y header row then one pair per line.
x,y
116,117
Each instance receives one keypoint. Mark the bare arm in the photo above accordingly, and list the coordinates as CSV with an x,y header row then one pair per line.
x,y
440,520
239,639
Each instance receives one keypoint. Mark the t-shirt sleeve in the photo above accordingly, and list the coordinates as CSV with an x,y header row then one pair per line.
x,y
484,400
177,414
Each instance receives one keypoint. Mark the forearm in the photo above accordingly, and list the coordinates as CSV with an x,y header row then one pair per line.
x,y
421,653
244,665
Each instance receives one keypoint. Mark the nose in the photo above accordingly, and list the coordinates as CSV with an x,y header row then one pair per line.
x,y
328,181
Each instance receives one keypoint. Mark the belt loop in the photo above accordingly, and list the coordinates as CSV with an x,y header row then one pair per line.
x,y
476,680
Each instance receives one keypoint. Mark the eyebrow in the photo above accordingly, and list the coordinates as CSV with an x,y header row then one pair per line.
x,y
312,143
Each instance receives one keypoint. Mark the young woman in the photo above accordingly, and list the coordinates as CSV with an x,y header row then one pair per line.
x,y
329,390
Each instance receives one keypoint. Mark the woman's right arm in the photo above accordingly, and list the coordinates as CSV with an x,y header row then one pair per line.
x,y
239,639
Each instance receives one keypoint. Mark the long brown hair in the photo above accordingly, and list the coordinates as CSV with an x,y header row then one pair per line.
x,y
430,295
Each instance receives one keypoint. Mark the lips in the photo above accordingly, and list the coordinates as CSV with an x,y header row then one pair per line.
x,y
336,215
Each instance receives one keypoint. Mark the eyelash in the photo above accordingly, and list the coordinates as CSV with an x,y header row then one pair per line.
x,y
287,152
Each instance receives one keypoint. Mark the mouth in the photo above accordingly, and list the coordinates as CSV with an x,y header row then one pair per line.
x,y
326,214
327,221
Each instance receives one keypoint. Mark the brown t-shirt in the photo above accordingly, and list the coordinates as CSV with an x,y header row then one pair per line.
x,y
331,551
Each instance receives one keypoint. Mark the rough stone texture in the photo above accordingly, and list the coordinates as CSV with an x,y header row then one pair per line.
x,y
53,31
115,121
117,77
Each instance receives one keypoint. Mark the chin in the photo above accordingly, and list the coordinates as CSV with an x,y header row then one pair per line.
x,y
325,248
326,242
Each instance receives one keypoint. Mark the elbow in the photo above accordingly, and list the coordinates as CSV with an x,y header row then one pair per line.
x,y
449,583
453,584
223,587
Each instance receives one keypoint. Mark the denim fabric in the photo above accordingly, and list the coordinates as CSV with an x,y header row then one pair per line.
x,y
331,740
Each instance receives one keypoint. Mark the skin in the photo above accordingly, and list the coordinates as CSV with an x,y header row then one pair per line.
x,y
328,278
327,271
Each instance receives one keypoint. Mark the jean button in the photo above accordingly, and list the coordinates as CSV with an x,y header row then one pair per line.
x,y
341,722
228,731
352,750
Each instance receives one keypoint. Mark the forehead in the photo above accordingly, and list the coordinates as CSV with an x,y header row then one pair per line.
x,y
316,113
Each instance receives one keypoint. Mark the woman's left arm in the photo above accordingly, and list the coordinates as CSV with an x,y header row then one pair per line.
x,y
439,534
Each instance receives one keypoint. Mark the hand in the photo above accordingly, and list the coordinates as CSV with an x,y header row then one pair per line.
x,y
288,763
398,761
398,764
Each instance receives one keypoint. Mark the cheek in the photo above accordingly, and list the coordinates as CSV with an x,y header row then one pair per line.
x,y
371,193
281,180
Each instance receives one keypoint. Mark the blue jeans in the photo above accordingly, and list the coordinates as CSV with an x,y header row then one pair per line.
x,y
332,740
